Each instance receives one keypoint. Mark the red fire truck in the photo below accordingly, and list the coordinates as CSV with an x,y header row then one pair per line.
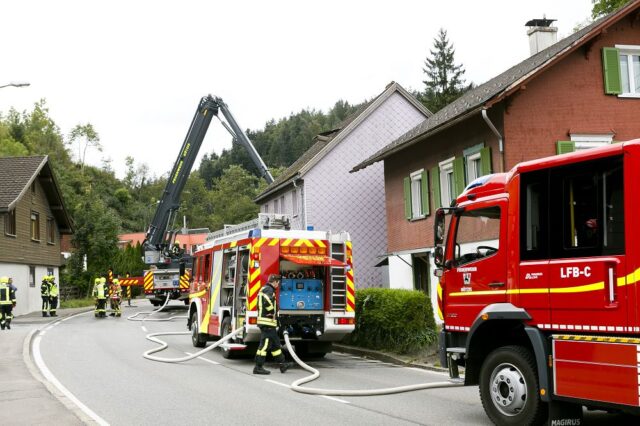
x,y
538,272
316,297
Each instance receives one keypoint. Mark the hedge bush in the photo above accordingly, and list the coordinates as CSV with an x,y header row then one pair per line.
x,y
395,320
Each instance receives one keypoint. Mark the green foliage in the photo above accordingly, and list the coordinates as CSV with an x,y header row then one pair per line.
x,y
129,260
77,303
232,195
444,83
605,7
395,320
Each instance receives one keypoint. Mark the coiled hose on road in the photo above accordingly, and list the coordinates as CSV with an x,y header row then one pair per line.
x,y
296,385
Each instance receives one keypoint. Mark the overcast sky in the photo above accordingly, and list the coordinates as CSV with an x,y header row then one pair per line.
x,y
137,69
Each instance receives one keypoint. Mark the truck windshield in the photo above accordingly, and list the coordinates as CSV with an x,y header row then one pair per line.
x,y
477,234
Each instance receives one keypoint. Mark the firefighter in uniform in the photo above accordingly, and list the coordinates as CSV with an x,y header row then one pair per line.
x,y
53,296
115,296
44,293
7,302
100,293
267,322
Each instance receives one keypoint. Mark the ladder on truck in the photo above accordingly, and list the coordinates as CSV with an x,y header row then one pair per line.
x,y
338,276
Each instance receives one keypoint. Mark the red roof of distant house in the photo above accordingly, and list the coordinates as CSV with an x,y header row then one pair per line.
x,y
187,241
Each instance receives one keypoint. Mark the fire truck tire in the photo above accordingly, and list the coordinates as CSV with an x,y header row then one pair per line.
x,y
509,388
226,329
197,340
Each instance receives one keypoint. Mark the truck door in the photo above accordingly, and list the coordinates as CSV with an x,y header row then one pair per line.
x,y
476,272
587,269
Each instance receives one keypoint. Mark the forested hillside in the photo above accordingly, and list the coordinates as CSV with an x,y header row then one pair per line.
x,y
221,190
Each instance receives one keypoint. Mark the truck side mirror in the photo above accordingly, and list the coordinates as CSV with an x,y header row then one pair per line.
x,y
438,256
438,227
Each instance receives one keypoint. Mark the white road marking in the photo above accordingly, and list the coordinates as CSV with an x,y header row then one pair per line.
x,y
204,359
144,329
52,379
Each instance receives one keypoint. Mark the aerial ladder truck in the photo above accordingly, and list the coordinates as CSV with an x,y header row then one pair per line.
x,y
170,267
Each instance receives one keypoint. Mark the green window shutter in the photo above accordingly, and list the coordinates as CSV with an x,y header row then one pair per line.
x,y
435,187
424,189
407,197
485,160
562,147
458,175
611,71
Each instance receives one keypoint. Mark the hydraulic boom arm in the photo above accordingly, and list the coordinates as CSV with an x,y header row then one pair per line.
x,y
170,201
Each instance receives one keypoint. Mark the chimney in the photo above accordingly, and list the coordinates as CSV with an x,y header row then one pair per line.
x,y
541,34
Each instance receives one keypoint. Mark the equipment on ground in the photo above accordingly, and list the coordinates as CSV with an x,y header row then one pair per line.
x,y
230,270
170,267
539,269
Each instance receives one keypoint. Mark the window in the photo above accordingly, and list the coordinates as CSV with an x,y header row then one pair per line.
x,y
35,226
477,161
447,183
265,208
582,141
573,211
275,206
294,202
416,196
282,209
33,187
51,230
10,223
477,234
630,69
621,69
32,276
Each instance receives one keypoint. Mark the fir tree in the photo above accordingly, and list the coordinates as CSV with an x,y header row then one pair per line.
x,y
444,79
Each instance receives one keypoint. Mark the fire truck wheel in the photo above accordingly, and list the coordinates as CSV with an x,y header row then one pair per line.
x,y
509,388
197,340
226,329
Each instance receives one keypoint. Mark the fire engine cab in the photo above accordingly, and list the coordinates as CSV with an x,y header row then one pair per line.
x,y
316,297
538,271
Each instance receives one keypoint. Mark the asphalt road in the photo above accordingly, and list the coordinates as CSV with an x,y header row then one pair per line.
x,y
100,363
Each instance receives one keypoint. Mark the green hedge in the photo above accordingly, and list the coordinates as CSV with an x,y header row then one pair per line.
x,y
395,320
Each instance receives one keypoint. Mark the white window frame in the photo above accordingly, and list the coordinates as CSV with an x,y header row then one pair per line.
x,y
584,141
416,195
474,166
629,51
447,184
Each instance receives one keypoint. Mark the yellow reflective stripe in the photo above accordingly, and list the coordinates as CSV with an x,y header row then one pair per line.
x,y
260,242
351,298
287,242
253,289
233,244
320,244
440,314
274,241
577,289
439,288
580,288
254,275
276,353
267,321
191,296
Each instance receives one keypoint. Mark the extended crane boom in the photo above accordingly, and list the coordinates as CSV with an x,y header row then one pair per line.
x,y
157,243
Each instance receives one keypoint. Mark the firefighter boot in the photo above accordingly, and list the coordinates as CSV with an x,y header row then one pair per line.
x,y
259,368
284,367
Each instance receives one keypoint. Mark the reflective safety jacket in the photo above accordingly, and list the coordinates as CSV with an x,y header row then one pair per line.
x,y
99,291
44,288
7,295
53,290
267,306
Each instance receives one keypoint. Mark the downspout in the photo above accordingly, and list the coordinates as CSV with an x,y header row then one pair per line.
x,y
498,135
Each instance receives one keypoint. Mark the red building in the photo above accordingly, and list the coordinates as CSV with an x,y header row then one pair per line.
x,y
577,93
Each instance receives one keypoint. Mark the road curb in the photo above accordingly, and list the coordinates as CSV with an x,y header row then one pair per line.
x,y
27,357
385,357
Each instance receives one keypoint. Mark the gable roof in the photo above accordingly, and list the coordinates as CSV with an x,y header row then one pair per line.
x,y
16,176
500,87
325,142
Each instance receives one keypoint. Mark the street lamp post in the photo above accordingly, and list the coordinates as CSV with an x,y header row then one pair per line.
x,y
16,84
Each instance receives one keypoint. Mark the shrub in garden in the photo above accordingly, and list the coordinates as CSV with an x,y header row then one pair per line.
x,y
392,319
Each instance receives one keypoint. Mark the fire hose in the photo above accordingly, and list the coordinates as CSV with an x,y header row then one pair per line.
x,y
296,385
